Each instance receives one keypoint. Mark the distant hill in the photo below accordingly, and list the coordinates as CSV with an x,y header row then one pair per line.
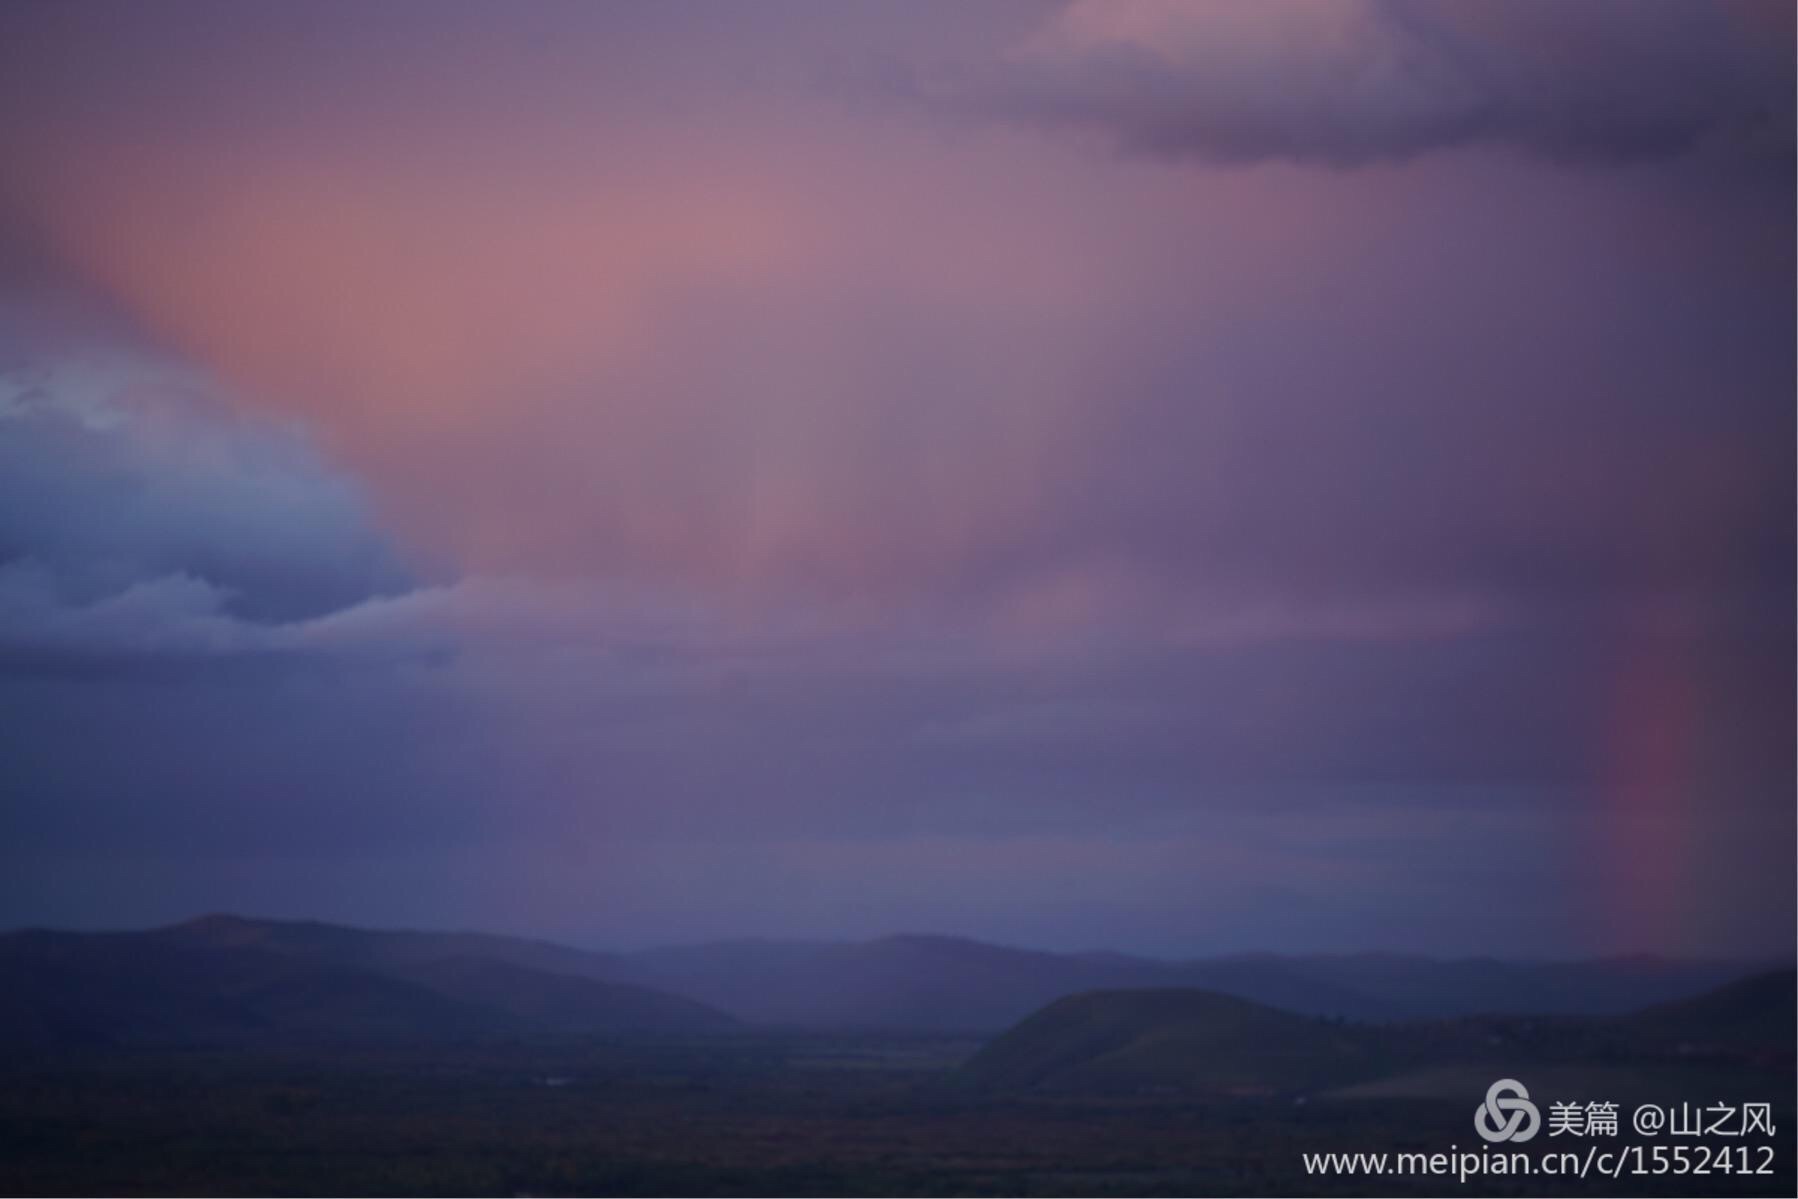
x,y
228,981
513,985
949,983
1172,1039
938,983
60,990
1203,1042
1755,1013
382,949
564,1002
1433,987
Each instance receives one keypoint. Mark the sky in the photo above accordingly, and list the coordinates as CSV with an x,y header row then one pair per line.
x,y
1173,477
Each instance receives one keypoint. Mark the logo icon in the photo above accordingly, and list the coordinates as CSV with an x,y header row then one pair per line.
x,y
1503,1118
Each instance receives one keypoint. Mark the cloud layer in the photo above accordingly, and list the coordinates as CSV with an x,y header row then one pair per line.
x,y
1347,84
838,466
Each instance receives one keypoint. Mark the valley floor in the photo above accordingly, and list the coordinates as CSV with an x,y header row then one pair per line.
x,y
736,1116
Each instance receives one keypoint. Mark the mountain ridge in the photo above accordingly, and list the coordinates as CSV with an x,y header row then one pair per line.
x,y
913,981
233,981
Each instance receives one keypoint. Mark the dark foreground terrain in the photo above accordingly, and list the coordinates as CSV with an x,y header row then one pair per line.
x,y
233,1056
755,1114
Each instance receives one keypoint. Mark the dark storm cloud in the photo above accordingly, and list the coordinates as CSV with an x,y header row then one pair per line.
x,y
1350,82
141,520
